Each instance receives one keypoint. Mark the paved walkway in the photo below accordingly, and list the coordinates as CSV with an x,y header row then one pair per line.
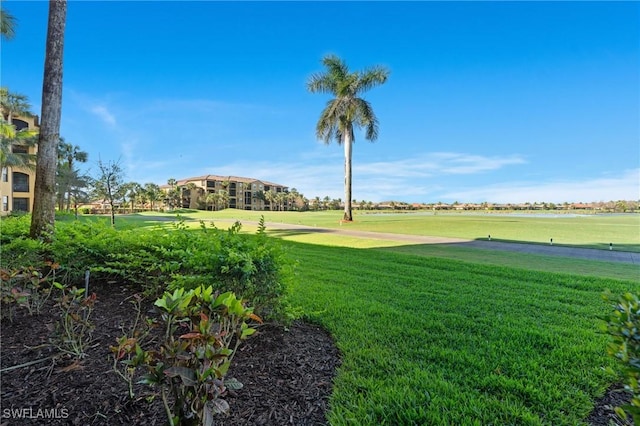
x,y
541,249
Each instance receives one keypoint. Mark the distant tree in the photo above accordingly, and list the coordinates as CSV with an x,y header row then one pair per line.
x,y
76,185
78,190
153,193
346,111
325,202
173,197
270,197
68,155
44,198
191,195
223,198
130,193
108,185
211,199
621,206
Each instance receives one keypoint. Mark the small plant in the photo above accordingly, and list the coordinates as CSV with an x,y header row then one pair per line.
x,y
190,367
27,288
128,353
11,299
623,325
73,329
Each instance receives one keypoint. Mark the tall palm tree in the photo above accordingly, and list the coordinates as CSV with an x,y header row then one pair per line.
x,y
44,199
347,110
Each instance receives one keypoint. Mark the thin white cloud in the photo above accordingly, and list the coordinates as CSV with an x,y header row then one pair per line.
x,y
104,114
439,163
624,186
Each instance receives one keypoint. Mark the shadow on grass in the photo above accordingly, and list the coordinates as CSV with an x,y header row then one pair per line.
x,y
629,247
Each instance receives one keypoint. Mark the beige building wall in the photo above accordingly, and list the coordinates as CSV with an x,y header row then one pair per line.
x,y
17,185
243,193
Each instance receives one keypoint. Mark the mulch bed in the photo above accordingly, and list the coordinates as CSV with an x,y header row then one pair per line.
x,y
287,374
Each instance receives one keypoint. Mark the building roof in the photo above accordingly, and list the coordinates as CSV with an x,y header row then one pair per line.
x,y
224,178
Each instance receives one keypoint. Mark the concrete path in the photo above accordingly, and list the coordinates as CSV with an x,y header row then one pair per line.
x,y
540,249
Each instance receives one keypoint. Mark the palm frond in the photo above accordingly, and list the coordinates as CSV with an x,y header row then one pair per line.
x,y
366,118
7,25
321,83
372,77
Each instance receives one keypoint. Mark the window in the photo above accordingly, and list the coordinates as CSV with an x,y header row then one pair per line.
x,y
21,204
20,124
5,203
19,149
20,182
5,174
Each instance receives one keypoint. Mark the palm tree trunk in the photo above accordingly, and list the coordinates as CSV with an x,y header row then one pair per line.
x,y
348,148
44,203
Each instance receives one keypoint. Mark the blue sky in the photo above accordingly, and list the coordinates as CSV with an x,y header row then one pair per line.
x,y
486,101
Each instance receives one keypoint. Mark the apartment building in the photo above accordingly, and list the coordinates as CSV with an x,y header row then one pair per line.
x,y
17,185
239,192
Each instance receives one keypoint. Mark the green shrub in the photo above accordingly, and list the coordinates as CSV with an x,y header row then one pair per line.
x,y
623,325
22,252
14,226
82,245
254,267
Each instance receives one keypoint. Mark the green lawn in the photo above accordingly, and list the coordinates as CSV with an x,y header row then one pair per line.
x,y
445,336
595,231
455,222
436,341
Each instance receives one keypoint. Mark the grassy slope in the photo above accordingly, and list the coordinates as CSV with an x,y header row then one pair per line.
x,y
434,341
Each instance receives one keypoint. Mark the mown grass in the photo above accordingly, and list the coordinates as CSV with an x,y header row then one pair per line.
x,y
593,231
437,341
533,262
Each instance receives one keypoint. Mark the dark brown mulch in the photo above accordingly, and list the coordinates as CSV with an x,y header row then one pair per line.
x,y
287,374
603,414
